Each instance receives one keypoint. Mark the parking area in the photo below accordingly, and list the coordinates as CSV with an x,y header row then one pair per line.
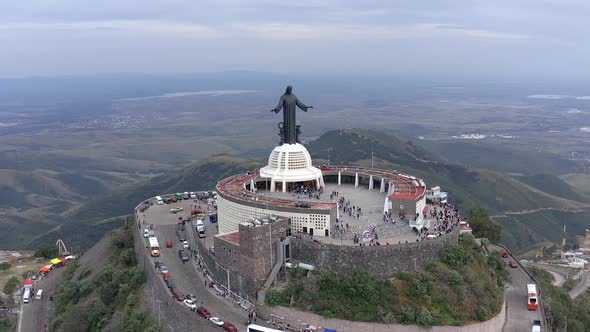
x,y
185,275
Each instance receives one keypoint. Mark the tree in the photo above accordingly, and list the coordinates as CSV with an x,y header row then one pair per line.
x,y
11,285
4,266
483,226
46,251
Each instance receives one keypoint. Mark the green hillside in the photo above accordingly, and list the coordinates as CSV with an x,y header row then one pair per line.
x,y
502,158
468,186
87,223
553,185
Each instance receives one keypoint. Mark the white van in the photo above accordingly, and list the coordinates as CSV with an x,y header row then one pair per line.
x,y
200,228
27,295
39,294
159,200
185,195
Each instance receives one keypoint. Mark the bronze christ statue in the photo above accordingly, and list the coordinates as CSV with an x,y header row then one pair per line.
x,y
288,129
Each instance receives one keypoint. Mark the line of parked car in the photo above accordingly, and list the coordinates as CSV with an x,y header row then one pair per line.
x,y
189,300
184,196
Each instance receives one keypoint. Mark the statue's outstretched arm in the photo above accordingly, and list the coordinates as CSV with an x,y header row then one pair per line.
x,y
279,106
302,106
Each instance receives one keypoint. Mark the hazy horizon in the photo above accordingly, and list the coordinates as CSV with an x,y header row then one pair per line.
x,y
515,40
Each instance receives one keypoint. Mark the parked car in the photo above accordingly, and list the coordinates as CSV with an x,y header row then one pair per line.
x,y
513,264
146,233
183,255
190,304
192,194
178,196
195,212
191,297
169,244
229,327
216,320
536,326
504,253
177,295
166,200
185,244
163,268
176,209
203,312
167,276
171,285
173,199
181,236
185,195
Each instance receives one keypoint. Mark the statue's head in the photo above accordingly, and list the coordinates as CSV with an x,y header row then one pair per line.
x,y
289,89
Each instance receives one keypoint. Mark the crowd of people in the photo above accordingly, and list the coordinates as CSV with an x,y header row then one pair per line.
x,y
310,191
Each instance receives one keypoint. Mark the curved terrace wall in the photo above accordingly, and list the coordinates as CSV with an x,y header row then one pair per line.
x,y
380,260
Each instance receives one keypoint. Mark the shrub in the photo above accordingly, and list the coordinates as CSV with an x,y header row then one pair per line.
x,y
275,297
407,315
482,314
454,256
5,266
455,280
425,318
422,284
328,314
11,285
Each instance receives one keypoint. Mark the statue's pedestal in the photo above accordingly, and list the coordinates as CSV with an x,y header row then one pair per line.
x,y
290,163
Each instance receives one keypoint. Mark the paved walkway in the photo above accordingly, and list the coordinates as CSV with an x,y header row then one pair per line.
x,y
371,203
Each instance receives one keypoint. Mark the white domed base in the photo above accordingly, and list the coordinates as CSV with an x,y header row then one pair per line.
x,y
290,163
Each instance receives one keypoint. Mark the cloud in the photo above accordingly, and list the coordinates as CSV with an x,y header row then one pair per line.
x,y
369,32
144,26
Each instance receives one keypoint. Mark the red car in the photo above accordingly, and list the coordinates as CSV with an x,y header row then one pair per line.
x,y
195,212
203,312
173,199
167,276
229,327
177,295
513,264
169,244
504,253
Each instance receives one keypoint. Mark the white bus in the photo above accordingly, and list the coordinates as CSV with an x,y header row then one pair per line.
x,y
154,247
532,296
27,295
258,328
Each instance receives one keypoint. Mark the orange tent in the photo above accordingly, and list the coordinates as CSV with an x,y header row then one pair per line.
x,y
44,269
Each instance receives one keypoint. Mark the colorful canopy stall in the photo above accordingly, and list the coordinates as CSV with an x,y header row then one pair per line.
x,y
28,282
45,268
63,260
55,261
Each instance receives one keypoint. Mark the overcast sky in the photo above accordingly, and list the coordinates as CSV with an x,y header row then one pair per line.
x,y
439,37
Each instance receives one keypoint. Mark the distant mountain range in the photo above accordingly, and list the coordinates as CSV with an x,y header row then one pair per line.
x,y
511,199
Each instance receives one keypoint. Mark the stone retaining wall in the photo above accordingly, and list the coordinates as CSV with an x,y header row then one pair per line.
x,y
380,260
